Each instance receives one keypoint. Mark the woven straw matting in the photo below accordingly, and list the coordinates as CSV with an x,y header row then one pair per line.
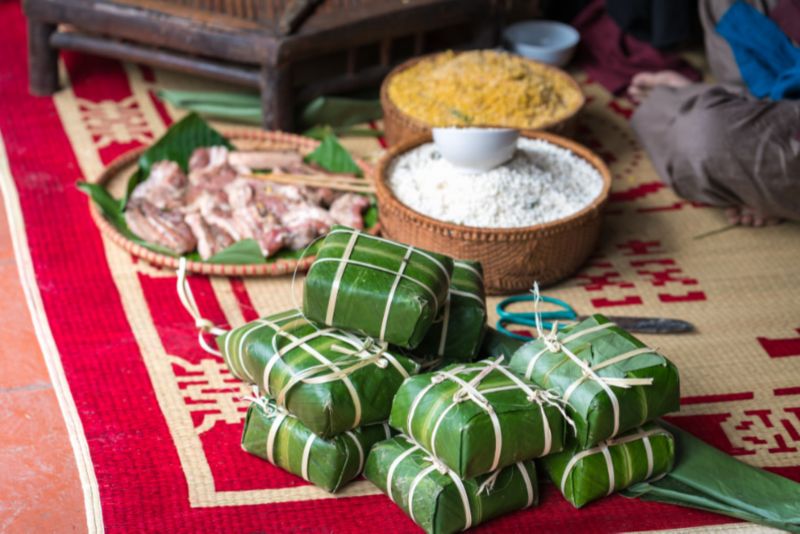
x,y
244,138
512,258
399,126
126,365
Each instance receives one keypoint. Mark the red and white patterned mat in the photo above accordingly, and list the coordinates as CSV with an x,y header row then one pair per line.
x,y
155,421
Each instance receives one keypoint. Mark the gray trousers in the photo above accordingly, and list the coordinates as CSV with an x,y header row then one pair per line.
x,y
719,145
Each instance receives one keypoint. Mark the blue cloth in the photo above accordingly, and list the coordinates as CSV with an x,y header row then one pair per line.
x,y
767,59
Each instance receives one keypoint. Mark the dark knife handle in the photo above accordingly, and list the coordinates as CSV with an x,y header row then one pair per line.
x,y
650,325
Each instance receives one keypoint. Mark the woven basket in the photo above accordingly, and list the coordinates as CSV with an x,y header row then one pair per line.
x,y
512,258
399,127
243,138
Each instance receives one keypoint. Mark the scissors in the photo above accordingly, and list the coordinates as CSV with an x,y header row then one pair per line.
x,y
566,314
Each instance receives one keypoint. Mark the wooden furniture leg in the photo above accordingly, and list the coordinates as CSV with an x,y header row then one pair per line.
x,y
277,104
42,59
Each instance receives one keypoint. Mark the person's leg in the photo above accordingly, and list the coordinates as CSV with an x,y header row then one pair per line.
x,y
724,149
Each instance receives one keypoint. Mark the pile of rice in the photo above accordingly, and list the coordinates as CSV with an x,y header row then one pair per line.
x,y
541,183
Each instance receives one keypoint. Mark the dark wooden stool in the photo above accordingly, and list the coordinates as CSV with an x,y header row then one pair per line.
x,y
292,51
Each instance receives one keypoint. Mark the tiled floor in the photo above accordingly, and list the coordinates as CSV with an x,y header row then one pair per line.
x,y
39,486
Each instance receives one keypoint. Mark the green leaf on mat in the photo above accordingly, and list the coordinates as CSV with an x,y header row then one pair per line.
x,y
333,157
337,112
371,215
287,254
242,252
340,112
705,477
176,145
242,107
318,132
357,132
108,205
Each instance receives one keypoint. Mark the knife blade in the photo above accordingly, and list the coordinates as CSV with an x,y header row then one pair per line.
x,y
650,325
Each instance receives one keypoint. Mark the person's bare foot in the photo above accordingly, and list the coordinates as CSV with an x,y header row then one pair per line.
x,y
644,82
745,216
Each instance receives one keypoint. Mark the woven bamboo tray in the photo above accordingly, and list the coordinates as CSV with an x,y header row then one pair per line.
x,y
512,258
399,127
114,177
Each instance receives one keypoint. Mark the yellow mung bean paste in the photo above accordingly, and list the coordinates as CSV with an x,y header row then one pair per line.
x,y
483,87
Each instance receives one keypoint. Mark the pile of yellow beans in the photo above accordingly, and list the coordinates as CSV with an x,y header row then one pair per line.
x,y
483,88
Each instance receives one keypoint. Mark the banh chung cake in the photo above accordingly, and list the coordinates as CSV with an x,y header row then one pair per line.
x,y
586,475
478,417
611,381
436,499
332,380
275,435
380,288
456,335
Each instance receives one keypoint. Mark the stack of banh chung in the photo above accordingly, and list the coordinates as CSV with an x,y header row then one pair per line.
x,y
580,402
469,434
341,391
327,374
613,387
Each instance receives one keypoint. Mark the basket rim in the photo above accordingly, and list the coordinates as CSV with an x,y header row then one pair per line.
x,y
391,107
276,268
477,233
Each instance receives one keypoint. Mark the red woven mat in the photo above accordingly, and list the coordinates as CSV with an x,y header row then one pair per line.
x,y
156,422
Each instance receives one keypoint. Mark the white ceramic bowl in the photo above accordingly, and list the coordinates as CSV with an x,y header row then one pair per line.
x,y
547,41
476,149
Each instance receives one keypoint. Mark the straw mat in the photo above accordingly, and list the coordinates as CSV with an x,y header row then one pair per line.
x,y
155,422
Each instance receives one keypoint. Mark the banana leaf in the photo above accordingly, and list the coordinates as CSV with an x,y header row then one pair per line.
x,y
333,157
496,343
708,479
436,499
587,475
177,144
602,408
504,419
238,107
340,112
284,441
457,333
377,287
337,112
331,380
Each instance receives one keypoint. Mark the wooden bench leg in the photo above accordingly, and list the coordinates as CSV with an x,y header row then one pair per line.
x,y
277,104
42,59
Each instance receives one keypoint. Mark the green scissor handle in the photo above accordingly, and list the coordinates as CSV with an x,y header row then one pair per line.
x,y
566,313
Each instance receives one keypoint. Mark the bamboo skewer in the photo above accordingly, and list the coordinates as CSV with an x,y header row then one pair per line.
x,y
331,181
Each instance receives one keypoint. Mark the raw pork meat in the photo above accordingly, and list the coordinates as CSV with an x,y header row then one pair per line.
x,y
220,203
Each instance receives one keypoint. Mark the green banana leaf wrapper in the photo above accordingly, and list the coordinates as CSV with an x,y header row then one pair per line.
x,y
436,499
383,289
284,441
473,435
707,478
587,475
331,380
457,333
605,348
496,343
